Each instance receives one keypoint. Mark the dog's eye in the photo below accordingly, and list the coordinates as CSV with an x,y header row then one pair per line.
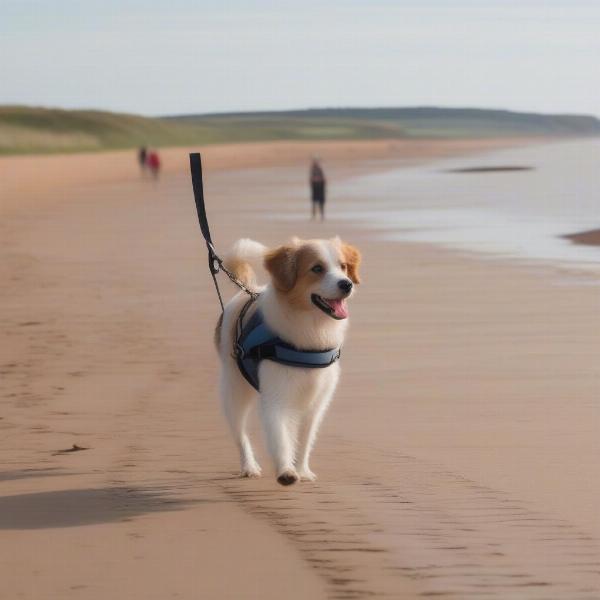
x,y
317,269
343,266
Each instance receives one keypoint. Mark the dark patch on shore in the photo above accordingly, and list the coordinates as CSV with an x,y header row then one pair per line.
x,y
498,169
73,448
587,238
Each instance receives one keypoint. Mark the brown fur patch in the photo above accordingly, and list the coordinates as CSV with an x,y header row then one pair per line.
x,y
290,268
242,270
281,263
352,258
307,256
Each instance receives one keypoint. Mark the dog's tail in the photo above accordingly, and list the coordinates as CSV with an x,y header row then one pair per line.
x,y
242,257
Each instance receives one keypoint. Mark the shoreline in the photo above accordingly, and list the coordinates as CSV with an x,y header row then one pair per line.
x,y
29,182
462,396
495,211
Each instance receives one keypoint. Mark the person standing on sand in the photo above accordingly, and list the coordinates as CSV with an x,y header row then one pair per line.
x,y
142,157
317,187
153,162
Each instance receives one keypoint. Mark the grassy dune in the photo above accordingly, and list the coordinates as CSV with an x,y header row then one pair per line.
x,y
28,130
40,130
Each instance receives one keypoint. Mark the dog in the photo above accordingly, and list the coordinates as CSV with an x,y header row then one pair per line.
x,y
305,305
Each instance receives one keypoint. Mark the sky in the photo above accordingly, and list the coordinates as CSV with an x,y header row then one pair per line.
x,y
172,57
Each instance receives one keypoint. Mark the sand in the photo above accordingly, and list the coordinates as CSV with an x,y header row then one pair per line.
x,y
459,458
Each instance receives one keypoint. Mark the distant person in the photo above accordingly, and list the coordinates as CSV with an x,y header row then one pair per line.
x,y
317,188
153,162
143,158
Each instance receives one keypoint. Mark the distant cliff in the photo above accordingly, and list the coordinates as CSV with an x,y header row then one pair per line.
x,y
421,121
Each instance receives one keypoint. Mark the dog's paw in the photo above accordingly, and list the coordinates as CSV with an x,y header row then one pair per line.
x,y
287,477
251,472
306,475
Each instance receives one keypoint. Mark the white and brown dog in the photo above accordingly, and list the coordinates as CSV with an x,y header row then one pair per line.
x,y
305,305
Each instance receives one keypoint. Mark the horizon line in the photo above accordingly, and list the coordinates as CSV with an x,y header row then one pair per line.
x,y
300,110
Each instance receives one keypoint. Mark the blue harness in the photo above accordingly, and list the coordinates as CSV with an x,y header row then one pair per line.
x,y
256,342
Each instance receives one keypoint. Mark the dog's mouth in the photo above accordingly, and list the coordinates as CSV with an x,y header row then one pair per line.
x,y
335,308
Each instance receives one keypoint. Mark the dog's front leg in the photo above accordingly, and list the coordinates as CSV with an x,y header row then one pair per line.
x,y
306,439
237,397
279,425
311,422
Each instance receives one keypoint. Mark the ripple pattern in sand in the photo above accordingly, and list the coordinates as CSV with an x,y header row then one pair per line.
x,y
452,537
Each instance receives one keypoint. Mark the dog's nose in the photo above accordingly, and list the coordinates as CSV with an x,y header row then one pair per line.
x,y
345,285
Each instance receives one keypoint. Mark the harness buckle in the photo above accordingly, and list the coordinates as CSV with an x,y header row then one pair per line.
x,y
238,351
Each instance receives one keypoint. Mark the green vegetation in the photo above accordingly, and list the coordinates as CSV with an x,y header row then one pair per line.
x,y
28,130
33,130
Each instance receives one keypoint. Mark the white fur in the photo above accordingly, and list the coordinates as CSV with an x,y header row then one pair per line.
x,y
293,400
247,250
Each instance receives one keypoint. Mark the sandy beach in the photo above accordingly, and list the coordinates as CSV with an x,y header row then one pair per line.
x,y
459,458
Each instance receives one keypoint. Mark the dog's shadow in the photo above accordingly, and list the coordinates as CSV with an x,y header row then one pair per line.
x,y
70,508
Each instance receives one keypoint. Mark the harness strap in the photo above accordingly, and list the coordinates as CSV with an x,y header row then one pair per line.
x,y
287,355
239,327
255,342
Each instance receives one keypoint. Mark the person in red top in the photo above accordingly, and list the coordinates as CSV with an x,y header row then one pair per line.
x,y
153,162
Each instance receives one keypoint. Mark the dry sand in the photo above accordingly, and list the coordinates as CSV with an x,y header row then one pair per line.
x,y
459,459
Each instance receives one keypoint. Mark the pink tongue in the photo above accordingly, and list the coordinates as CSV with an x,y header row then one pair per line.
x,y
339,308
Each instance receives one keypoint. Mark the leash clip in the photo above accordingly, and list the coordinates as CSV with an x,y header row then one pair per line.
x,y
214,264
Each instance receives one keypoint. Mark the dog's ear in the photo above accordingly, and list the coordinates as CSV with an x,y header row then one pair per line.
x,y
352,259
282,264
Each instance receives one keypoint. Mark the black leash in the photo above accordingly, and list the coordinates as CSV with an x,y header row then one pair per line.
x,y
215,263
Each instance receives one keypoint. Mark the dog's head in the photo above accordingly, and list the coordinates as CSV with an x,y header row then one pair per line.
x,y
315,274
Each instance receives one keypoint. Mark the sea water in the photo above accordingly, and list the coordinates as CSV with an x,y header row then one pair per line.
x,y
518,214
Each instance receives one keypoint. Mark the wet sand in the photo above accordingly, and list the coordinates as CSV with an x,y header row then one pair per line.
x,y
459,458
